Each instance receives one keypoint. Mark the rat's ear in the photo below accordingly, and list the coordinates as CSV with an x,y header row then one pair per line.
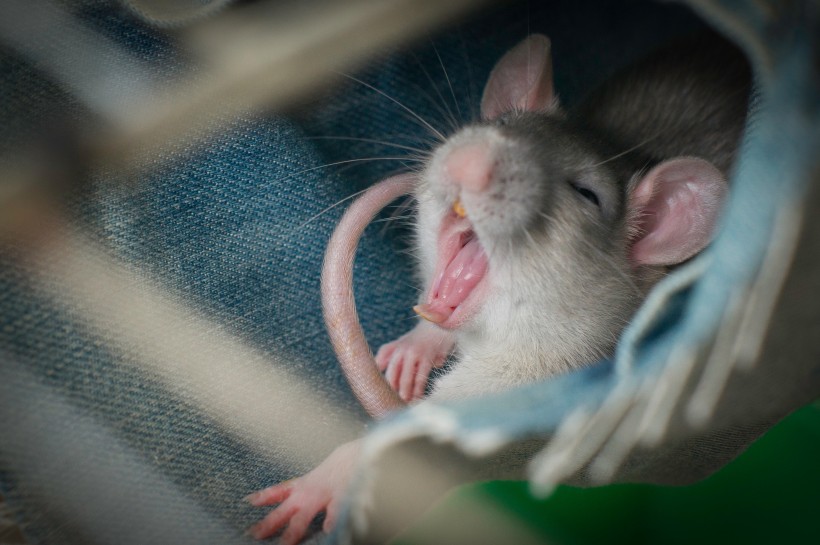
x,y
521,80
674,209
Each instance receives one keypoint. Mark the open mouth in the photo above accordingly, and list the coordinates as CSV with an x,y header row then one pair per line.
x,y
455,293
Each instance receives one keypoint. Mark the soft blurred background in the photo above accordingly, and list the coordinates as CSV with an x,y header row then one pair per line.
x,y
170,172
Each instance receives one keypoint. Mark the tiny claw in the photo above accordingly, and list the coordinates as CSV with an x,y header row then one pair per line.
x,y
458,208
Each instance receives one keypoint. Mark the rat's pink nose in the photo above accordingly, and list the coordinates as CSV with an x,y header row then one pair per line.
x,y
470,166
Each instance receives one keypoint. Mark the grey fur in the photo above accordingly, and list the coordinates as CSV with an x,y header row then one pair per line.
x,y
563,287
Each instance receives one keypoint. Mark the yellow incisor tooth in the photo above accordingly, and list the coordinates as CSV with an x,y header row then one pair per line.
x,y
459,209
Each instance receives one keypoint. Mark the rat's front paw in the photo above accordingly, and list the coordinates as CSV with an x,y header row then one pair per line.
x,y
301,499
408,360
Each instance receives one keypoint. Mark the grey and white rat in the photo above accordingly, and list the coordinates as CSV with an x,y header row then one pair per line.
x,y
570,217
539,233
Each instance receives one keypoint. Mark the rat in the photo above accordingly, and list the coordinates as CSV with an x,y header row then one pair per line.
x,y
539,233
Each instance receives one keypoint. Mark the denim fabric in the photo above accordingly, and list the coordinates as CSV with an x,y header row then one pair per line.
x,y
98,447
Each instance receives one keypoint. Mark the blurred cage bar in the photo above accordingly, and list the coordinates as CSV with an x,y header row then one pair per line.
x,y
231,59
240,59
257,56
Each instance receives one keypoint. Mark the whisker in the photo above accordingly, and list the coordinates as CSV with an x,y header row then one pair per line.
x,y
409,318
405,206
450,85
471,91
368,140
397,215
336,163
391,219
630,150
441,106
411,286
399,104
329,208
334,205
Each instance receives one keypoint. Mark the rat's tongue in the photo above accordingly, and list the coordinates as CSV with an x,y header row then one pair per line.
x,y
461,267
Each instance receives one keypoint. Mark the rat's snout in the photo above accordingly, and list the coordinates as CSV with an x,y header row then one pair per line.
x,y
470,166
488,177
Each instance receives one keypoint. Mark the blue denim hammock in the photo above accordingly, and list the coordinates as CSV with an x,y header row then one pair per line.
x,y
166,355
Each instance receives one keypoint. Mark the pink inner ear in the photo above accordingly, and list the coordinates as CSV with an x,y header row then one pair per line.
x,y
521,80
677,205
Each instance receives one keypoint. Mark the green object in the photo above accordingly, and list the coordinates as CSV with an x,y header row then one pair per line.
x,y
770,494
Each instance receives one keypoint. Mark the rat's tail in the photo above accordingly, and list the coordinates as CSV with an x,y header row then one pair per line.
x,y
346,334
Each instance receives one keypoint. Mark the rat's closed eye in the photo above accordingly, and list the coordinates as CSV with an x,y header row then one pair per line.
x,y
586,193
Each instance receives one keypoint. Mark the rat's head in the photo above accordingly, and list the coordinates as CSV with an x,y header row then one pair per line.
x,y
524,219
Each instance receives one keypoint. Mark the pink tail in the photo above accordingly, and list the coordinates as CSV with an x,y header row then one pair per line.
x,y
346,334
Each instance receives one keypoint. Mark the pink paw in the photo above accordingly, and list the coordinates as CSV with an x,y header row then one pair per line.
x,y
302,498
408,360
